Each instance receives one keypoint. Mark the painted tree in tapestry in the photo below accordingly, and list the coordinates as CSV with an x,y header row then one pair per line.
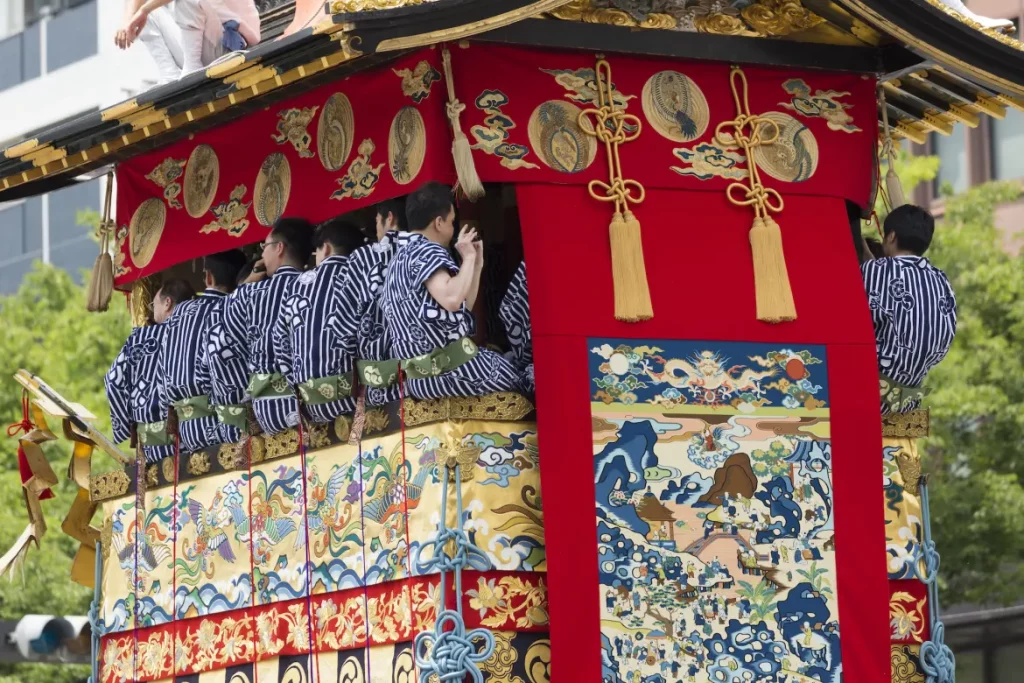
x,y
714,510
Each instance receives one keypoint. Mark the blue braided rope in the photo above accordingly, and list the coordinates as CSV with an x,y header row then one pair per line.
x,y
937,660
449,653
94,615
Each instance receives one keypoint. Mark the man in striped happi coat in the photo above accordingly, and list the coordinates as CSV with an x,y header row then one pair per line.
x,y
186,386
306,344
362,330
515,315
251,312
912,307
133,384
427,301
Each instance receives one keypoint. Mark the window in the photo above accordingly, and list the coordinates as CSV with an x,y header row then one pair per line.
x,y
71,35
70,27
1008,146
952,152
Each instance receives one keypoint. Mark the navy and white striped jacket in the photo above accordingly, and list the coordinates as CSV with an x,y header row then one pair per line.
x,y
305,340
180,368
134,387
913,309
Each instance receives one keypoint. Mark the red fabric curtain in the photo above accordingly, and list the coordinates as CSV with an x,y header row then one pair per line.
x,y
700,273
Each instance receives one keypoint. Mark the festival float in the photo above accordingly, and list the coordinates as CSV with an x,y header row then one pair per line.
x,y
692,494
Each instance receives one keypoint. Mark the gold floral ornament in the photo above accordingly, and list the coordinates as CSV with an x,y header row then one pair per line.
x,y
629,274
292,128
771,279
165,176
456,452
362,176
230,215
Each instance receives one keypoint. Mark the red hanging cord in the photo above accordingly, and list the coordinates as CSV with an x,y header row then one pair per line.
x,y
405,496
314,651
174,543
25,426
252,572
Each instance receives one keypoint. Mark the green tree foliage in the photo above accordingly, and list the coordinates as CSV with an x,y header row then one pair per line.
x,y
47,330
977,398
977,405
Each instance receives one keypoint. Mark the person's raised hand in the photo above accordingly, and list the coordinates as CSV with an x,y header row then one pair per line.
x,y
465,244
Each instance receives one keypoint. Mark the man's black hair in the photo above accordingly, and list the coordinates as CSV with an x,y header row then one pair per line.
x,y
431,200
875,247
344,237
224,267
296,234
177,290
913,227
396,207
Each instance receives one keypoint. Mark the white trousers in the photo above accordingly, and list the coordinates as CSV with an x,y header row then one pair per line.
x,y
162,39
186,40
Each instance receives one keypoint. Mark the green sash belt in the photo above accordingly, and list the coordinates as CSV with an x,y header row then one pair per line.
x,y
898,397
193,408
153,434
440,360
322,390
269,385
232,415
378,373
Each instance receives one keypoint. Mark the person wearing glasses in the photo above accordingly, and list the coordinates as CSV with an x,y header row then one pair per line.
x,y
249,317
186,379
133,383
427,302
363,333
305,334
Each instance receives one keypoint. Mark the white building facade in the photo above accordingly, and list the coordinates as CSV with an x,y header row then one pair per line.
x,y
58,61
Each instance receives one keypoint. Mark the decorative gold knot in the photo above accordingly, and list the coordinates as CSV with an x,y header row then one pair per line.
x,y
749,131
609,126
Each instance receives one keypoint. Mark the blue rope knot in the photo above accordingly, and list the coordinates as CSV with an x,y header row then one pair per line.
x,y
466,553
937,660
927,554
453,654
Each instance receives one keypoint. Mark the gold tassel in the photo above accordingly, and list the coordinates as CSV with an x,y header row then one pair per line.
x,y
771,278
629,273
893,186
101,284
462,153
632,296
772,291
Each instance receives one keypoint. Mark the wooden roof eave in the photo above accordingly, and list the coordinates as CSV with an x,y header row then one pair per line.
x,y
948,41
230,89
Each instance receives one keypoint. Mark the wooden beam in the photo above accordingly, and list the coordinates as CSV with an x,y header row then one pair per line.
x,y
701,46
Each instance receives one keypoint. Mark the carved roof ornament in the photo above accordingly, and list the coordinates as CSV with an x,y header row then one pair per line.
x,y
993,28
755,18
347,6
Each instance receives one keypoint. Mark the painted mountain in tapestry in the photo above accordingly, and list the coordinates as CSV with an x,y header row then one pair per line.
x,y
713,477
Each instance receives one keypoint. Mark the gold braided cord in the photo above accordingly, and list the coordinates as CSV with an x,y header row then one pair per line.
x,y
755,194
629,274
618,189
772,290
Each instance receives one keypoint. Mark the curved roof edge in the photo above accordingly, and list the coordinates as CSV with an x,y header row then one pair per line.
x,y
952,40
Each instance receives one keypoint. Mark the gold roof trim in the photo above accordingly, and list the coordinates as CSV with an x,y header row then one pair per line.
x,y
350,6
761,19
120,109
904,36
21,148
967,21
228,67
145,121
471,29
